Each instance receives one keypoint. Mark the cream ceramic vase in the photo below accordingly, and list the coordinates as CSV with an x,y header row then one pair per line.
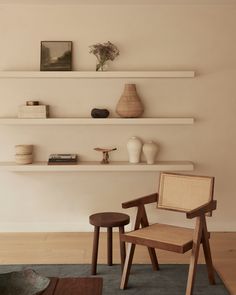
x,y
129,105
134,147
150,150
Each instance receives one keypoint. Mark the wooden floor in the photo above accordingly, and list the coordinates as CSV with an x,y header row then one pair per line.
x,y
50,248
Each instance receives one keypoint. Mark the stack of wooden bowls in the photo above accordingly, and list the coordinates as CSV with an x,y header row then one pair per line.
x,y
24,154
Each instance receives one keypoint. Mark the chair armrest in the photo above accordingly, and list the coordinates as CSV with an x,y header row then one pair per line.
x,y
208,207
140,201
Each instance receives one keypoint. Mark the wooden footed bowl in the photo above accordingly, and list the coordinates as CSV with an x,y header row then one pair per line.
x,y
26,282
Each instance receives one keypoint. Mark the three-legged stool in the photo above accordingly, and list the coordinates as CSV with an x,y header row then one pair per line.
x,y
108,220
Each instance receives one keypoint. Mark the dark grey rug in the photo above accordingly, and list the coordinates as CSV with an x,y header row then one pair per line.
x,y
170,280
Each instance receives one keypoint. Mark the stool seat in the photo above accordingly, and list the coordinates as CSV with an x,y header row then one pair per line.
x,y
109,219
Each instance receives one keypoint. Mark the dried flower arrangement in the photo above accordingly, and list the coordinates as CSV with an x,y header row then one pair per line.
x,y
104,52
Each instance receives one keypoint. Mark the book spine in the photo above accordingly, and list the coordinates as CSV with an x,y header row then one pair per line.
x,y
62,163
61,160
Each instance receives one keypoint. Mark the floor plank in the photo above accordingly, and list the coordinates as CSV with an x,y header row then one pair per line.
x,y
56,248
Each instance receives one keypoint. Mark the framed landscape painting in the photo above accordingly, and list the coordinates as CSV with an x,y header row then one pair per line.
x,y
56,56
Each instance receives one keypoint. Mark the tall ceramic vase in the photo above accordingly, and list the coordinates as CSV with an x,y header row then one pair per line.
x,y
129,105
134,147
150,150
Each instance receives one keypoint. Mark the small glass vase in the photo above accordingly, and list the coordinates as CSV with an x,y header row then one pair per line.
x,y
100,67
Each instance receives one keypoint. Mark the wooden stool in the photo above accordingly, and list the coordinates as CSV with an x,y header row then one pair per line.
x,y
108,220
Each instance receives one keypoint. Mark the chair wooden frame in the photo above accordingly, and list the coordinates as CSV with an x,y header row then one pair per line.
x,y
200,236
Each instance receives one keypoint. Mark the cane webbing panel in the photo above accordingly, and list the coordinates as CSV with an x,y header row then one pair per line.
x,y
162,236
184,192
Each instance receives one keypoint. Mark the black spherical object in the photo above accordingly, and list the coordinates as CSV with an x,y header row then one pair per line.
x,y
100,113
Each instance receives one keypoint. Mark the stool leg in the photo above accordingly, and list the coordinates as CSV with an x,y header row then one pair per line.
x,y
109,246
122,247
95,250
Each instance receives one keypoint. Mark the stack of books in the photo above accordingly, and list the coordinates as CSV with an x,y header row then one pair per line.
x,y
62,159
33,112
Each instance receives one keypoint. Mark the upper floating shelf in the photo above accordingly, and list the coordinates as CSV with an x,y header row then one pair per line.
x,y
96,75
91,121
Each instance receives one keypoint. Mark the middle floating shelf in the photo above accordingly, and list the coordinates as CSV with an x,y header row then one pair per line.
x,y
92,121
95,75
96,166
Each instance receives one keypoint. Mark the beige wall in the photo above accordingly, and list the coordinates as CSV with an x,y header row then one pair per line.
x,y
149,37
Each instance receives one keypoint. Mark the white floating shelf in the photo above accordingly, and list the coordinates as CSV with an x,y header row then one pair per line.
x,y
92,121
96,75
96,166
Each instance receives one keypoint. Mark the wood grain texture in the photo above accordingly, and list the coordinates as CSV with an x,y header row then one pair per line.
x,y
152,251
70,248
130,250
127,266
141,220
194,255
109,246
122,247
206,208
74,286
207,253
95,250
109,219
140,201
79,286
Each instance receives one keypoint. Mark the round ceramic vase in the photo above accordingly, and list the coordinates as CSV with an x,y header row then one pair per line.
x,y
150,150
134,147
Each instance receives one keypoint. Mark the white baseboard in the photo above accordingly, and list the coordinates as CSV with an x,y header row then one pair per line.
x,y
45,227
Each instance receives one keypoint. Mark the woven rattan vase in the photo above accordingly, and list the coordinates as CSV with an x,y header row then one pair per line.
x,y
129,105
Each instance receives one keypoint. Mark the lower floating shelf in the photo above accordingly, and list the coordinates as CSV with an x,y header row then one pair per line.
x,y
100,121
96,166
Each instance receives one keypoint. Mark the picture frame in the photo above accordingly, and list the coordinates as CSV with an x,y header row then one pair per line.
x,y
56,56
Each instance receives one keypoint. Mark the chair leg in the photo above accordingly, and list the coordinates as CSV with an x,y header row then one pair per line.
x,y
122,247
153,256
194,256
152,252
109,246
207,254
127,266
95,250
